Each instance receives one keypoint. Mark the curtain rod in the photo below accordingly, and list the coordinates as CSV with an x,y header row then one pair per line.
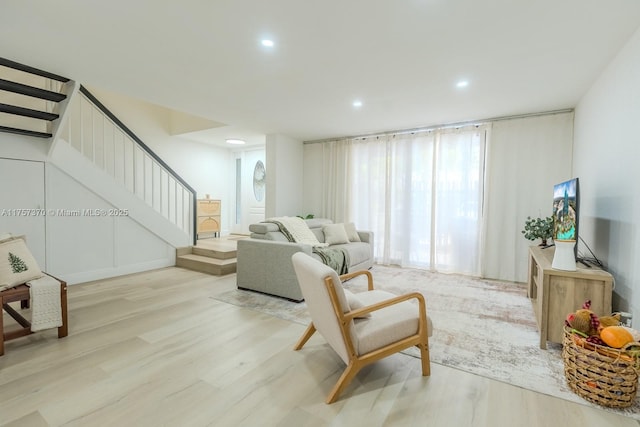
x,y
443,126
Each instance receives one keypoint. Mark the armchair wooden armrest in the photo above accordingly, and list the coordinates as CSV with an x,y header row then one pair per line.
x,y
348,276
386,303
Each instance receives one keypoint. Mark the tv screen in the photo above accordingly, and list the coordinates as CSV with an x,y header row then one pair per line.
x,y
566,198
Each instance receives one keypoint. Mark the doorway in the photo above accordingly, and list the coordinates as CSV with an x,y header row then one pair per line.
x,y
250,190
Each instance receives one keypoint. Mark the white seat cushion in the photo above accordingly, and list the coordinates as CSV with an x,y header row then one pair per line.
x,y
387,325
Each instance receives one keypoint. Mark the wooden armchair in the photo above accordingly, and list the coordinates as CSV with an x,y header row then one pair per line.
x,y
362,328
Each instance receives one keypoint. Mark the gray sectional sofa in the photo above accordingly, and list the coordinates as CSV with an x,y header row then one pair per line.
x,y
264,260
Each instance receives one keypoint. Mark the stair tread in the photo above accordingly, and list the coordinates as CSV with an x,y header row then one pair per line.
x,y
211,253
25,132
27,112
31,70
31,91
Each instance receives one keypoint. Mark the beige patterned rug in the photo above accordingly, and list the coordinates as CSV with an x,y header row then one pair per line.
x,y
480,326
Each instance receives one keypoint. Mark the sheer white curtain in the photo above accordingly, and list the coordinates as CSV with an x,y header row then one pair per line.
x,y
335,171
420,193
459,190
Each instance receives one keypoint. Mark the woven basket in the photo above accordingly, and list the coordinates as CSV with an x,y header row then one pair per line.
x,y
599,374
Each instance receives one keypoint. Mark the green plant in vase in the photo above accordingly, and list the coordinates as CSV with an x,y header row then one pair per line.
x,y
538,228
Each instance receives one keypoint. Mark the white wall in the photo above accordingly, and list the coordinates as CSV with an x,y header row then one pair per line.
x,y
607,150
23,147
284,176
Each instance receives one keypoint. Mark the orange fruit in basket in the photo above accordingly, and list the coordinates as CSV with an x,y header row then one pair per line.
x,y
616,336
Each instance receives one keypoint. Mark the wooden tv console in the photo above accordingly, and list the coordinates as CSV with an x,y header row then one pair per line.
x,y
556,293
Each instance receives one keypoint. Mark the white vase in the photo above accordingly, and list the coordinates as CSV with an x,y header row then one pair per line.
x,y
564,258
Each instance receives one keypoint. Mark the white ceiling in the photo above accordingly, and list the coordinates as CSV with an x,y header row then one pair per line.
x,y
402,58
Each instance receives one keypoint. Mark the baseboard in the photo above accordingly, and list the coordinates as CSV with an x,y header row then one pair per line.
x,y
89,276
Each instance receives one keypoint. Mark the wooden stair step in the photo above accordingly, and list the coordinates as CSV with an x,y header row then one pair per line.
x,y
35,92
206,264
25,132
214,253
27,112
31,70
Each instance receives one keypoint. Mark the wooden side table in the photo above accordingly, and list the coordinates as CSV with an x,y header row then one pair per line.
x,y
208,221
556,293
21,293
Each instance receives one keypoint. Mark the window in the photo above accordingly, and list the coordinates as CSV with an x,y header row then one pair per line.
x,y
421,195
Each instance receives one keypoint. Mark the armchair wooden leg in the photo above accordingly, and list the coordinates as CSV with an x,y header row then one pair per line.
x,y
305,337
424,358
1,329
63,330
345,379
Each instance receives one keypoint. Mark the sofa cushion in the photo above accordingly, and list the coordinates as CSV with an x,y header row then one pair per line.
x,y
319,234
359,252
387,325
317,222
276,236
335,234
355,303
263,227
352,234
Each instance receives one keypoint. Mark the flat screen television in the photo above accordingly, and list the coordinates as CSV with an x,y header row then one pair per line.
x,y
566,206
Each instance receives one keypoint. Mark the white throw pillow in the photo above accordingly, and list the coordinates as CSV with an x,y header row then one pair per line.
x,y
355,303
17,265
352,234
335,234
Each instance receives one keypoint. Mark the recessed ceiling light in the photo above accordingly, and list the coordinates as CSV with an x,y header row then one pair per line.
x,y
267,43
235,141
462,83
357,103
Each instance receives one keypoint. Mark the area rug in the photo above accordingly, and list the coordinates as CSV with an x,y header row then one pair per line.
x,y
481,326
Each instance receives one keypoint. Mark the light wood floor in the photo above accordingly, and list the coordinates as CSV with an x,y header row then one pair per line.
x,y
156,349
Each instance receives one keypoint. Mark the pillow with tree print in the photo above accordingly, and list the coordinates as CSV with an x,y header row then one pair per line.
x,y
17,265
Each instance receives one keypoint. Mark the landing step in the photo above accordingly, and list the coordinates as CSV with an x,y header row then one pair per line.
x,y
214,253
206,264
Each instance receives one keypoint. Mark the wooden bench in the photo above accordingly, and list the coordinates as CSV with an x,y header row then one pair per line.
x,y
21,293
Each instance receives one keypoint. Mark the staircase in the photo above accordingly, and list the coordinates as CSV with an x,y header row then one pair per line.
x,y
30,101
35,102
211,256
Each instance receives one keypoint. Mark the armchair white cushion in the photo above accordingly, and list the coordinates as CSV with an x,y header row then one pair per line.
x,y
394,323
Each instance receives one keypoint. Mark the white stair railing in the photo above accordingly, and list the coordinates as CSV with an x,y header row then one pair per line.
x,y
103,139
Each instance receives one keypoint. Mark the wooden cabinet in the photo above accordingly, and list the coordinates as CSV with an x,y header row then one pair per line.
x,y
556,293
208,218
